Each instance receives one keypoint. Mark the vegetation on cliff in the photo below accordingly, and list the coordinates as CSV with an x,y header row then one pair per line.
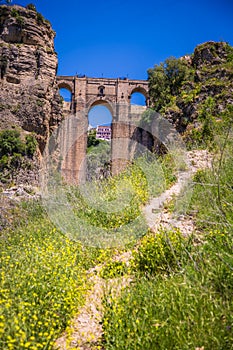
x,y
15,154
195,92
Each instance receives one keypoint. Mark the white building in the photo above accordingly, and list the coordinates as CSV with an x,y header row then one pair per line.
x,y
104,132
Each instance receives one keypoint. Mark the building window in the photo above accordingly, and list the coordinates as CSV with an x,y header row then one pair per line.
x,y
101,90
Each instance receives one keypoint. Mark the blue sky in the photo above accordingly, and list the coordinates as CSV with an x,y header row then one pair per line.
x,y
124,37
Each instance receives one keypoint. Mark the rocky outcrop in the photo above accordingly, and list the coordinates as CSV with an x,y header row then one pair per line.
x,y
209,53
210,76
29,94
213,64
29,99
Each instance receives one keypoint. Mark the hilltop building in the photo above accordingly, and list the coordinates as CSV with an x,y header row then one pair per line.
x,y
103,132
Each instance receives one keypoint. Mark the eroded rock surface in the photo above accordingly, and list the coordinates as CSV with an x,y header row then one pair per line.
x,y
29,98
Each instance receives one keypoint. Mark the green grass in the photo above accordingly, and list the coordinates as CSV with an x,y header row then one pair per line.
x,y
108,212
168,313
43,281
42,284
212,199
43,272
162,253
181,296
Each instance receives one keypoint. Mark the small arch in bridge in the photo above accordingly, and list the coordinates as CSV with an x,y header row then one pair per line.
x,y
137,98
65,94
140,90
65,85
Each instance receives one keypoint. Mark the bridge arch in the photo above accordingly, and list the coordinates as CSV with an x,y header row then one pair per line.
x,y
141,90
101,102
65,85
66,94
106,110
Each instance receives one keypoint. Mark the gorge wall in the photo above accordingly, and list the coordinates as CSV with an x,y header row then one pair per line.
x,y
29,100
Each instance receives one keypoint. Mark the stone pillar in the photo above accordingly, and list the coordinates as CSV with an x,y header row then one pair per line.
x,y
120,139
74,139
73,149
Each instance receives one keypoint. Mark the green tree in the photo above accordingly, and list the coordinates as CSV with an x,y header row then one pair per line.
x,y
166,80
176,71
91,139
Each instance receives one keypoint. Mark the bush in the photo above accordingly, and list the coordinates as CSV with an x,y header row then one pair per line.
x,y
166,80
31,145
31,7
163,252
15,153
91,139
10,143
40,18
113,269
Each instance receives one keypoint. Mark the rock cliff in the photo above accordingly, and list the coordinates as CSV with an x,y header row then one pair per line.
x,y
196,90
29,99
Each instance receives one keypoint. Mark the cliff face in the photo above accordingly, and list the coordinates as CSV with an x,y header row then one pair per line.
x,y
29,94
203,90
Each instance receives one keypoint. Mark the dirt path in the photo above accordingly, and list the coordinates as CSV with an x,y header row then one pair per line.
x,y
155,211
86,330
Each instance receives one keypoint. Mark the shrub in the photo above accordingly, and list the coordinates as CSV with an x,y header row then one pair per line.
x,y
31,7
14,12
163,252
31,145
40,18
10,143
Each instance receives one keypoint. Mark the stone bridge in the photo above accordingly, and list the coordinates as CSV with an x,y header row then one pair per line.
x,y
115,94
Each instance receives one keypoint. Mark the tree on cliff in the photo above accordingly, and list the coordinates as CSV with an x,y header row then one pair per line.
x,y
166,79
